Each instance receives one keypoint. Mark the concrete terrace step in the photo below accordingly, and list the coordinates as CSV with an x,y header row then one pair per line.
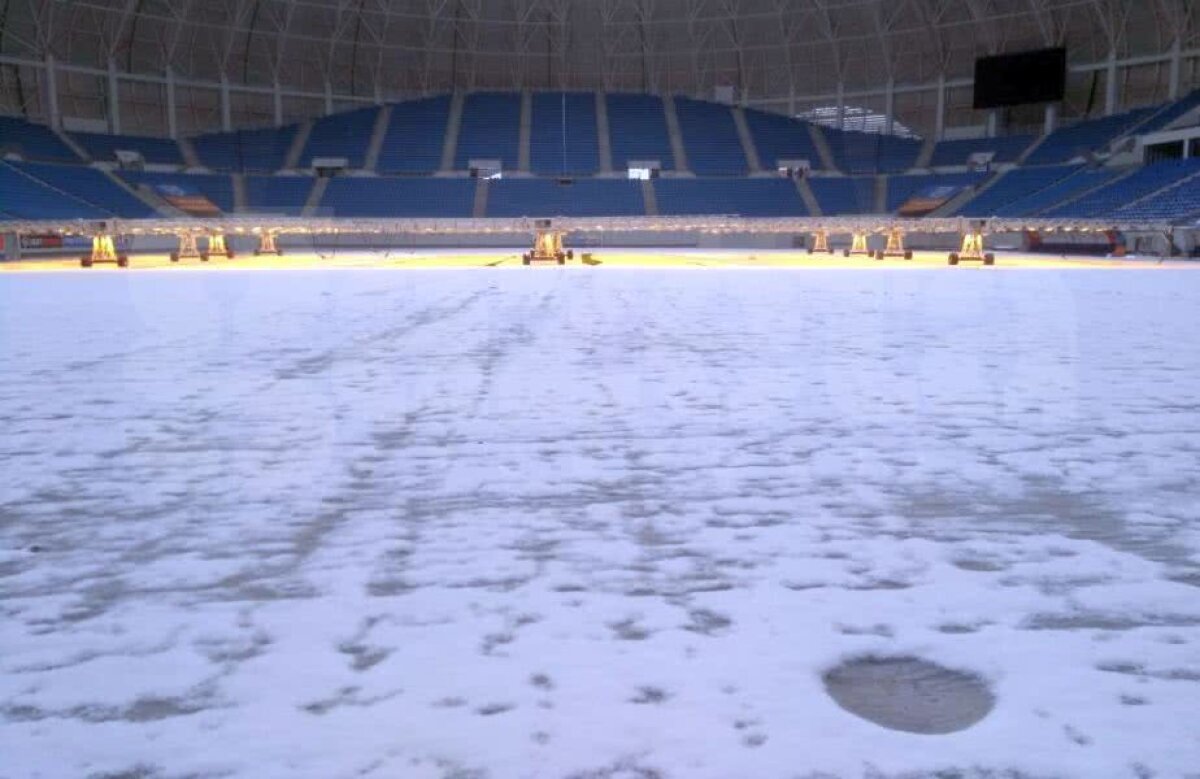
x,y
378,132
747,139
453,123
605,141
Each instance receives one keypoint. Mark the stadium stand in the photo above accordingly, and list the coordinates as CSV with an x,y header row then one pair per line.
x,y
1126,190
546,139
1171,112
1077,140
414,197
759,197
711,138
1007,148
278,194
844,195
1084,179
780,138
491,129
33,141
259,151
217,188
1012,186
88,185
548,197
638,130
414,137
1180,201
156,151
26,197
860,153
901,188
341,135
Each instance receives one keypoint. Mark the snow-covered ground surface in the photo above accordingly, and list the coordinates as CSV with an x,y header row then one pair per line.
x,y
595,523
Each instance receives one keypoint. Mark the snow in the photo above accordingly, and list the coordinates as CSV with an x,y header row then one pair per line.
x,y
594,522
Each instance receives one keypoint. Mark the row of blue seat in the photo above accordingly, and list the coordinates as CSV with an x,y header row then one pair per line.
x,y
564,138
68,191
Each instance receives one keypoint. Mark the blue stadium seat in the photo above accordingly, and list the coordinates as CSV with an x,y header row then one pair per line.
x,y
710,138
637,125
1076,140
1120,194
403,197
901,188
548,198
158,151
1014,185
1179,202
261,151
89,185
1171,112
415,136
490,129
760,197
1007,148
839,196
217,188
278,194
27,197
1033,204
33,141
862,153
546,139
341,135
780,138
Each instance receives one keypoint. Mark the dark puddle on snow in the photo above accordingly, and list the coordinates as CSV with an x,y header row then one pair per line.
x,y
909,694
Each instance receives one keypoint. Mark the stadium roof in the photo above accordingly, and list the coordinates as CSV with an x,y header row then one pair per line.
x,y
768,49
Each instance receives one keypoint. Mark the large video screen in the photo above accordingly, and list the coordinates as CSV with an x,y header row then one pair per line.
x,y
1019,79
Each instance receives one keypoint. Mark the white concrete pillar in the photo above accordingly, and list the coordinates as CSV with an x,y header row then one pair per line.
x,y
114,99
172,113
1050,123
889,109
1110,84
52,112
328,98
939,132
993,122
226,109
1176,69
277,101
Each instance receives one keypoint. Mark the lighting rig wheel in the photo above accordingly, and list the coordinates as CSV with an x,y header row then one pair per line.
x,y
525,259
278,252
954,258
845,252
203,256
122,261
908,254
879,254
85,262
257,253
810,251
174,256
229,254
570,254
989,259
561,258
831,252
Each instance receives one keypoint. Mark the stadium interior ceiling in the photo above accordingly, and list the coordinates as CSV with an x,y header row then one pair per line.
x,y
185,66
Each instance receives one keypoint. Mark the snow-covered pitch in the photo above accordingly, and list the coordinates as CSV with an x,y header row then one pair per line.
x,y
595,522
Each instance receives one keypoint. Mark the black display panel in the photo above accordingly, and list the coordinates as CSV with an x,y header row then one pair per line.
x,y
1019,79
